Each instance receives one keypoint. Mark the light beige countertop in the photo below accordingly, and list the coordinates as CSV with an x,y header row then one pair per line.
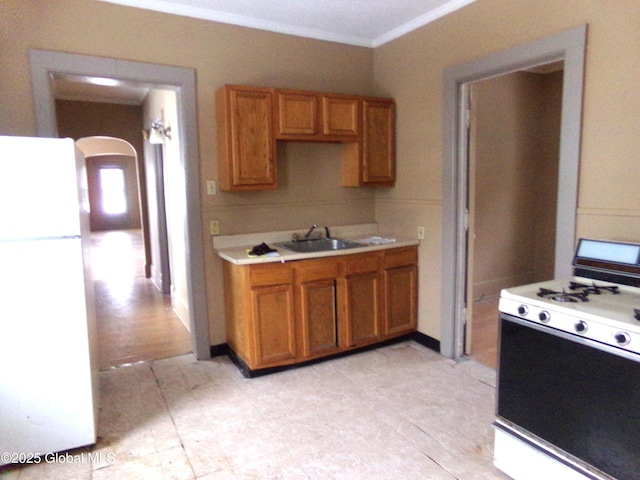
x,y
233,248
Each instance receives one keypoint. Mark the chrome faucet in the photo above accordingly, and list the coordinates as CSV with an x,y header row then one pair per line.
x,y
306,235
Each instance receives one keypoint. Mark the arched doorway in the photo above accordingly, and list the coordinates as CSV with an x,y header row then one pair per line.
x,y
112,175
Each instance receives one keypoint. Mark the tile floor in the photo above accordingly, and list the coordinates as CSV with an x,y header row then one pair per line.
x,y
398,412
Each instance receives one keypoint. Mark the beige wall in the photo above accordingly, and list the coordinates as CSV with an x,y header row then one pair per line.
x,y
411,67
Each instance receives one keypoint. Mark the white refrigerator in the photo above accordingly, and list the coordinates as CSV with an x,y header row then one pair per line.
x,y
48,369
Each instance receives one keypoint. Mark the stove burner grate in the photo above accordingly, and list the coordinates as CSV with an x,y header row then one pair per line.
x,y
563,296
579,292
593,288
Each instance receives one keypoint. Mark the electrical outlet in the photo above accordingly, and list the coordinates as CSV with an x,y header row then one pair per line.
x,y
214,227
421,232
211,187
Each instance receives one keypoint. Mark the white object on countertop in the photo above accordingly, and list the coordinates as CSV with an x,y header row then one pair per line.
x,y
377,240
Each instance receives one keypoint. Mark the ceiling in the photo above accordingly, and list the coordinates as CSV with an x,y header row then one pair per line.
x,y
367,23
92,89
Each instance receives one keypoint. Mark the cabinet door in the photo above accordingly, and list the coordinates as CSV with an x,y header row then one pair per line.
x,y
246,156
401,299
274,325
318,318
378,143
315,282
297,114
340,115
362,308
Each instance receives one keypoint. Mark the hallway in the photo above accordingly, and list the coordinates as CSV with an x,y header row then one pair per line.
x,y
135,322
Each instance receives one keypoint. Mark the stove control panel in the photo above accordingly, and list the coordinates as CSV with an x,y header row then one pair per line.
x,y
571,323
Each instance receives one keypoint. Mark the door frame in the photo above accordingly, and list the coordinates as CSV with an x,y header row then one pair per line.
x,y
567,46
45,63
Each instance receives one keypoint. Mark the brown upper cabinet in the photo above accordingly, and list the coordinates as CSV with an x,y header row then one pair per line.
x,y
250,120
297,114
316,117
341,116
371,162
246,144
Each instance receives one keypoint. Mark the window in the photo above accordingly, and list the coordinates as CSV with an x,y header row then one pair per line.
x,y
112,190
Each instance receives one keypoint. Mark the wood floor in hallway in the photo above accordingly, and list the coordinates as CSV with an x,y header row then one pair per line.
x,y
135,321
484,343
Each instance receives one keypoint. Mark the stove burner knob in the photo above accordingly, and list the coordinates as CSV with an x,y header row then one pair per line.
x,y
544,316
622,338
581,326
523,309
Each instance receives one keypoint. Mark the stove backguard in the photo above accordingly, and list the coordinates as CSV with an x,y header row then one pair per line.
x,y
614,262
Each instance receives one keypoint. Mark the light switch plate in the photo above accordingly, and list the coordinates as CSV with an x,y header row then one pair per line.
x,y
214,227
212,188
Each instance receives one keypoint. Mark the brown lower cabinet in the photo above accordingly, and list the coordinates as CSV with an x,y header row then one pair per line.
x,y
316,306
401,291
280,314
361,300
274,324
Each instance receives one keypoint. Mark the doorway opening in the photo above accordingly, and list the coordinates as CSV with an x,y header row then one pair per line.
x,y
513,159
46,65
567,47
112,190
109,197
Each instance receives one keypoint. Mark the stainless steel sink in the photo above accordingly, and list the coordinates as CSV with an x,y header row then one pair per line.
x,y
319,245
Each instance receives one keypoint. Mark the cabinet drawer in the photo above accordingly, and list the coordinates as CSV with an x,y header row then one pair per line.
x,y
311,270
401,256
271,274
366,263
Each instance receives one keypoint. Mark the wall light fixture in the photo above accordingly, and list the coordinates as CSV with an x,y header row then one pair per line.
x,y
158,132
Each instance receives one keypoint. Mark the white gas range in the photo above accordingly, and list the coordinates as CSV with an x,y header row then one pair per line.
x,y
606,312
569,370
